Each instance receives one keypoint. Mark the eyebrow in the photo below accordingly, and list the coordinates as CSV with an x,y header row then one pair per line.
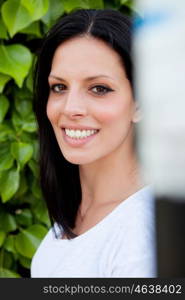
x,y
86,79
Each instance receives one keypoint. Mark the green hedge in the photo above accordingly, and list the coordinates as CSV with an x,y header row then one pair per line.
x,y
23,216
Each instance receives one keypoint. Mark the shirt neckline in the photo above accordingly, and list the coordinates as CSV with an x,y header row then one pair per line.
x,y
125,202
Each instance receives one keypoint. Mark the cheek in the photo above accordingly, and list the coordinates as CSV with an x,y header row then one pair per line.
x,y
114,112
52,111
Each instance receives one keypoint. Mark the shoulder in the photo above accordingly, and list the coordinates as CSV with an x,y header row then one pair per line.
x,y
137,209
133,247
137,216
43,251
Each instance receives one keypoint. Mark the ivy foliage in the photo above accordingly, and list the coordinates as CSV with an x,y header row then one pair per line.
x,y
24,219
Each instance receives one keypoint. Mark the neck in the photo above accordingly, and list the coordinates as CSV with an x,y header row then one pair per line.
x,y
110,179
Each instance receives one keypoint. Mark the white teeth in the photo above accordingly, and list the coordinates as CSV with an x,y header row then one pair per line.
x,y
79,134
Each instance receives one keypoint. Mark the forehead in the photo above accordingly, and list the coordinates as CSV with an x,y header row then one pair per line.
x,y
86,56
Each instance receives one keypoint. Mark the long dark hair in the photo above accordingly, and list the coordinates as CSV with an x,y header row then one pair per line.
x,y
60,181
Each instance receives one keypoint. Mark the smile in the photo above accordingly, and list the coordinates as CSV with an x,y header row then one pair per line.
x,y
77,138
79,134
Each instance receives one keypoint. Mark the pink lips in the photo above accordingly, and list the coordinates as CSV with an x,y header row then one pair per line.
x,y
77,142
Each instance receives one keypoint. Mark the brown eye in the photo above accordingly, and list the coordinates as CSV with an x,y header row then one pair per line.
x,y
58,88
101,90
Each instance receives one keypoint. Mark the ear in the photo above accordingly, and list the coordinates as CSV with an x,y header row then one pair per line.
x,y
137,115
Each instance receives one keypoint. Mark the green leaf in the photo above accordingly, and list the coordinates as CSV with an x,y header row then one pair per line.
x,y
3,32
23,187
96,4
28,124
17,121
15,16
2,237
15,60
7,260
5,273
112,4
56,9
24,217
23,93
9,244
9,183
40,211
36,8
7,159
36,190
33,29
34,167
3,80
23,107
6,132
4,106
124,1
29,239
28,198
29,80
24,261
35,150
26,137
69,5
130,4
22,152
8,222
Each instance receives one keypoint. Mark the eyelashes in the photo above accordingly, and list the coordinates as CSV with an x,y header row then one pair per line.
x,y
99,89
57,88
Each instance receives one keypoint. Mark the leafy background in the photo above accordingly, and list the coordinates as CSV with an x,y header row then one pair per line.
x,y
23,216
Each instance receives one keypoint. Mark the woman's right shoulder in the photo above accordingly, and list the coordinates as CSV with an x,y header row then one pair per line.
x,y
52,234
42,251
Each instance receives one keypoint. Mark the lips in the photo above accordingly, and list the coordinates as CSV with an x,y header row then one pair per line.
x,y
76,142
78,127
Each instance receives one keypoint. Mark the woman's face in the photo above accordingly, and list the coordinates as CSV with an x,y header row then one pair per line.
x,y
89,90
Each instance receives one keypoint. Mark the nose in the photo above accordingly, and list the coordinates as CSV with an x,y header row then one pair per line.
x,y
75,106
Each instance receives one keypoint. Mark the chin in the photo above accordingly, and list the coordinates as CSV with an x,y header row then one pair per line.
x,y
76,160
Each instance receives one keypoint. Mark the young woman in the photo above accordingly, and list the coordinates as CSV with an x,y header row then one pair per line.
x,y
101,209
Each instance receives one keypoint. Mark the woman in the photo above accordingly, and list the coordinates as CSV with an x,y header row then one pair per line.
x,y
101,210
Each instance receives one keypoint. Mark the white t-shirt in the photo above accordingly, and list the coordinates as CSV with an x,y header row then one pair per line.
x,y
122,244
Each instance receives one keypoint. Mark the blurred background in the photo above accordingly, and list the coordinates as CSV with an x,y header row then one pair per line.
x,y
159,53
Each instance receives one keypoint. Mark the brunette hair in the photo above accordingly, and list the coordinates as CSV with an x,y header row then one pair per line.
x,y
59,179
